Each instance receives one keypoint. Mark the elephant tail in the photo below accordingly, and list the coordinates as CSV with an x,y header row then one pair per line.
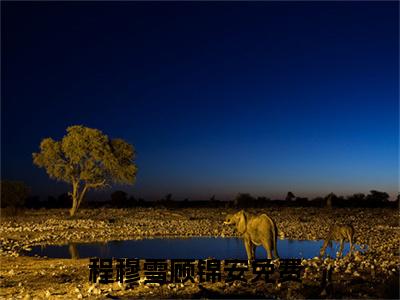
x,y
275,240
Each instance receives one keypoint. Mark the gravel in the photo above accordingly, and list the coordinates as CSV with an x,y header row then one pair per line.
x,y
369,274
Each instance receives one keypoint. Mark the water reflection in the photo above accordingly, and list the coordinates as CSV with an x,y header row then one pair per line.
x,y
73,251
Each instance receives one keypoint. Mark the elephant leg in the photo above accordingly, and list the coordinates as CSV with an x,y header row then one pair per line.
x,y
267,247
276,249
248,246
351,244
341,248
253,251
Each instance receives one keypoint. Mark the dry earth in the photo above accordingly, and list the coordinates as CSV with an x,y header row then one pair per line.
x,y
372,274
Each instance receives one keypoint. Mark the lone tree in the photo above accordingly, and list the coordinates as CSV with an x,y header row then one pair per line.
x,y
87,159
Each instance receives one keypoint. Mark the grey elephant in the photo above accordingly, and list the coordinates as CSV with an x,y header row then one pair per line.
x,y
339,233
255,231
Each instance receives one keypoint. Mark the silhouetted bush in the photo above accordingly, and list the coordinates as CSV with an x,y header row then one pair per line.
x,y
317,202
13,194
290,196
119,199
301,201
376,199
243,200
33,202
63,201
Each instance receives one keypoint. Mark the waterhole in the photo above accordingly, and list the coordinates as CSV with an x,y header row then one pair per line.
x,y
185,248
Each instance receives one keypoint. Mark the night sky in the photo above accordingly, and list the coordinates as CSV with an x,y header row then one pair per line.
x,y
217,98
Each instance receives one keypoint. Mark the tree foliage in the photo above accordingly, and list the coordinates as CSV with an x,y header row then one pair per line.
x,y
87,159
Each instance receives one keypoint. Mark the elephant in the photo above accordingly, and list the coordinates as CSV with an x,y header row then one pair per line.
x,y
255,231
338,233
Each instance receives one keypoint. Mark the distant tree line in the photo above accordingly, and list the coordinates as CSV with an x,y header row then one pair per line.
x,y
15,195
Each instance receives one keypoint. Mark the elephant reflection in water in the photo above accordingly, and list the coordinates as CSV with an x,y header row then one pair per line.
x,y
73,251
255,231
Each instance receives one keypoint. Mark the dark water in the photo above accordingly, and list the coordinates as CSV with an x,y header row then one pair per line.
x,y
194,248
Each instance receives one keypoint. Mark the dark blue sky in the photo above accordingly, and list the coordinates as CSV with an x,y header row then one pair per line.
x,y
217,98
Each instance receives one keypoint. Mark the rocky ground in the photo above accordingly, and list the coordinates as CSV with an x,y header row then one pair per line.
x,y
372,274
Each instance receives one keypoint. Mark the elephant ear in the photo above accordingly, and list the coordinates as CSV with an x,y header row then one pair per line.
x,y
242,224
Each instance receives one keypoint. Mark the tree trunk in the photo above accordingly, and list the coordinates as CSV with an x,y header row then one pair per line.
x,y
74,208
75,198
80,198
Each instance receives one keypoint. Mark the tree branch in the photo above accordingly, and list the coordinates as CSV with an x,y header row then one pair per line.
x,y
82,194
96,185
